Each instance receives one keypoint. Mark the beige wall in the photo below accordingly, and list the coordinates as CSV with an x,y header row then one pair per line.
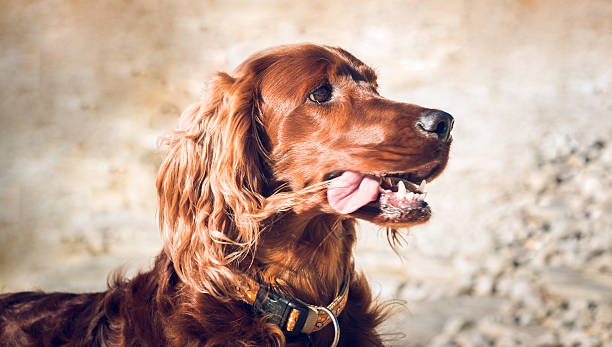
x,y
88,86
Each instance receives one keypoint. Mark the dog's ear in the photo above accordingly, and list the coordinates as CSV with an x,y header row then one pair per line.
x,y
211,183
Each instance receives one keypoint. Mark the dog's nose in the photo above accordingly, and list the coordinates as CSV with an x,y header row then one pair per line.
x,y
437,122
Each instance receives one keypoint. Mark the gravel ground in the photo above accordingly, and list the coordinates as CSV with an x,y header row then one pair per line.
x,y
551,262
519,251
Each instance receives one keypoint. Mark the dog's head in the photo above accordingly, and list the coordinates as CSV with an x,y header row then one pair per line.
x,y
298,128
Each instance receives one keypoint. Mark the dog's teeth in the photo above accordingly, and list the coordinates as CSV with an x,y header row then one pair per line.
x,y
388,180
419,197
423,186
401,190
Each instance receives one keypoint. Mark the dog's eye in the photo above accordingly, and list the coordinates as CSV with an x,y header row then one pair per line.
x,y
321,95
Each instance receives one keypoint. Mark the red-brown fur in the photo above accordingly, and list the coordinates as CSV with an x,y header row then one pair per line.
x,y
242,191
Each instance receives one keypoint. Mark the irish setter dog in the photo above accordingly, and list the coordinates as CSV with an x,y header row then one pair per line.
x,y
259,194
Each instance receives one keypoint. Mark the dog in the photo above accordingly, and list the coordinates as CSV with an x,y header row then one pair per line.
x,y
259,193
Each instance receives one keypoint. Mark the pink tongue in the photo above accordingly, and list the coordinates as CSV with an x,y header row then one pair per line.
x,y
350,191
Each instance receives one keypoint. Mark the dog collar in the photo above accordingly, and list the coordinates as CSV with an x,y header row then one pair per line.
x,y
292,315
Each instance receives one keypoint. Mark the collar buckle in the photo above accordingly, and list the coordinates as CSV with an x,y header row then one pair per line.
x,y
290,314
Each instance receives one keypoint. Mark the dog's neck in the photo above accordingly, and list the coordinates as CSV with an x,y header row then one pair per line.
x,y
307,258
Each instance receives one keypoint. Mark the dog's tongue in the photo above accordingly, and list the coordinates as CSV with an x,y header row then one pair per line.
x,y
350,191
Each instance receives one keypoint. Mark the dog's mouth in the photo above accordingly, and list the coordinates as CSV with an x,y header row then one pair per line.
x,y
382,198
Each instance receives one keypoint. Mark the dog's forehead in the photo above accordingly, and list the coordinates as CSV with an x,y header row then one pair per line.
x,y
297,66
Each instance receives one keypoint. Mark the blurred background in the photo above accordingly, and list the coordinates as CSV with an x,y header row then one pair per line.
x,y
519,251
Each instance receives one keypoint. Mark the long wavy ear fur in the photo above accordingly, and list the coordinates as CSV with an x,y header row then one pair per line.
x,y
210,184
